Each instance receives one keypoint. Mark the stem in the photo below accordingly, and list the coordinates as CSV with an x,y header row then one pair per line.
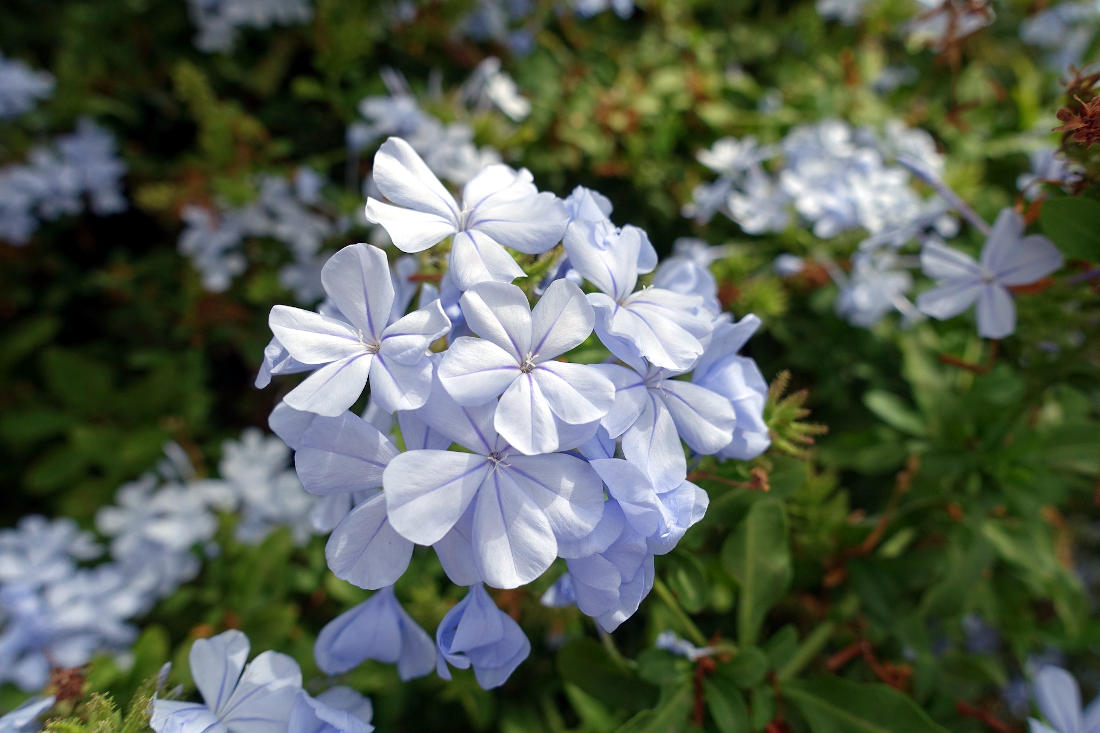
x,y
813,644
692,630
948,195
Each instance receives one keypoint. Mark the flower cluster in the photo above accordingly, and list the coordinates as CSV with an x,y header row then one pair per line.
x,y
507,453
1064,30
21,87
447,149
286,211
57,180
262,696
54,611
836,178
219,20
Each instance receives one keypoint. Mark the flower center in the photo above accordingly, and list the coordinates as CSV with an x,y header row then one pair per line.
x,y
528,364
371,347
988,277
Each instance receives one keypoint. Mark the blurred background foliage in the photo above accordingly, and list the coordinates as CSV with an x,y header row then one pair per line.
x,y
913,558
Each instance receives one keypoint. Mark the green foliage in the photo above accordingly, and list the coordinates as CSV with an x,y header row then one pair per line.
x,y
1074,225
833,582
99,714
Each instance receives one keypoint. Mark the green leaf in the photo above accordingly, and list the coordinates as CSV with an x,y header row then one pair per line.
x,y
670,716
893,411
1073,223
833,705
747,668
587,665
726,707
758,557
688,580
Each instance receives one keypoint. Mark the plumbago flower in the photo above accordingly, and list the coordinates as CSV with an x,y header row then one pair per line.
x,y
362,341
482,438
500,205
521,505
264,696
238,697
541,400
1008,258
1059,700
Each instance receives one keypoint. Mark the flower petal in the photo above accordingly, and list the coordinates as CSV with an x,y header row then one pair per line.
x,y
404,178
410,230
576,393
358,282
704,419
949,299
512,537
475,258
469,426
474,371
370,630
941,262
333,388
996,313
653,445
350,455
604,257
565,488
456,551
428,490
1059,698
216,665
523,418
365,550
561,320
500,314
408,338
396,386
265,696
311,338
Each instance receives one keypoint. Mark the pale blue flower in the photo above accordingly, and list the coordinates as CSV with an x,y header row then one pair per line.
x,y
1008,258
498,205
733,157
659,516
218,20
379,629
1048,167
363,342
587,8
724,371
518,506
21,87
665,327
268,494
788,265
238,698
1059,701
91,153
848,12
759,204
475,633
654,411
39,551
610,571
875,286
542,400
24,719
336,710
1064,30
